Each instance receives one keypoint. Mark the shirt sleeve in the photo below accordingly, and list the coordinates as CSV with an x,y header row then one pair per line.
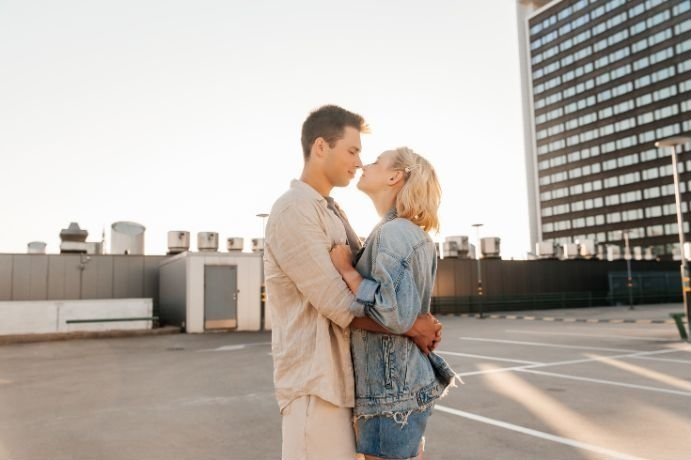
x,y
390,297
300,246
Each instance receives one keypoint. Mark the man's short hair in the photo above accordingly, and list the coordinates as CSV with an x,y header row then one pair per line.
x,y
329,122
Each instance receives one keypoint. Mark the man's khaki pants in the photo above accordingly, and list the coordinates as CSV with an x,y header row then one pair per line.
x,y
314,429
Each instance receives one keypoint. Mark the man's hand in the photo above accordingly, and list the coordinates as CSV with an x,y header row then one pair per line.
x,y
426,332
342,258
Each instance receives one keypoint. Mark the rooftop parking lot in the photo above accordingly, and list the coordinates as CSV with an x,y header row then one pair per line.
x,y
534,389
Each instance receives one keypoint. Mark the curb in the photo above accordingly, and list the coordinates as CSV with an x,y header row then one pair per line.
x,y
563,320
77,335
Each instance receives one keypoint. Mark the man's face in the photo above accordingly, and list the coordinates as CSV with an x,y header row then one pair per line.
x,y
343,159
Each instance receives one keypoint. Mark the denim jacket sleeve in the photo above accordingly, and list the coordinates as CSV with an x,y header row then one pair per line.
x,y
389,295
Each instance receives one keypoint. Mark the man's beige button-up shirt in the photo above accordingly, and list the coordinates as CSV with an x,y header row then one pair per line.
x,y
308,300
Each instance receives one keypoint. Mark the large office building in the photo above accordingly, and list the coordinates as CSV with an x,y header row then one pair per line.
x,y
604,80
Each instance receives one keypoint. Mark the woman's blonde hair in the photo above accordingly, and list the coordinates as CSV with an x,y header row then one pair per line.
x,y
418,200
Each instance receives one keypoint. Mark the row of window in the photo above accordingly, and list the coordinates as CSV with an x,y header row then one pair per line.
x,y
640,64
619,72
615,127
613,235
608,165
642,119
637,28
614,199
563,14
621,198
567,27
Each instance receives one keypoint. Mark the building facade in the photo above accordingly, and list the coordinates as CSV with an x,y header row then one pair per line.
x,y
604,80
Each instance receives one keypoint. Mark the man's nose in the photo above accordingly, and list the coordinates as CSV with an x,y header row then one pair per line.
x,y
358,162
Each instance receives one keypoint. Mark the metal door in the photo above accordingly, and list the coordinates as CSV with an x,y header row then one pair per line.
x,y
220,296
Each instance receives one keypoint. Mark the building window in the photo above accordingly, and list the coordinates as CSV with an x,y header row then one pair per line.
x,y
658,18
641,63
655,230
683,46
681,7
614,218
661,36
612,200
611,182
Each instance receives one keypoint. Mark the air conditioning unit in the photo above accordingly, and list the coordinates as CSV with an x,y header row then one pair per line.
x,y
207,241
490,247
588,249
235,244
613,252
257,244
570,251
545,250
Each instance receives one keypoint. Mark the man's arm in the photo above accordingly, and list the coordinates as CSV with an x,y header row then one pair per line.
x,y
426,331
299,245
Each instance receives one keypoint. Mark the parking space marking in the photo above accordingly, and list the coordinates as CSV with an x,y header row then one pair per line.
x,y
651,374
537,434
240,346
5,382
491,358
667,360
604,336
568,362
606,382
549,345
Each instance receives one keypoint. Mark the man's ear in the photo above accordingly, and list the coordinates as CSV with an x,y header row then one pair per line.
x,y
395,177
319,147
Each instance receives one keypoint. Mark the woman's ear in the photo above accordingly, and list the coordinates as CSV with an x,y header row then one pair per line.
x,y
395,178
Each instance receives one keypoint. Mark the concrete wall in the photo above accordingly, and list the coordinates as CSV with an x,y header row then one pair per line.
x,y
49,316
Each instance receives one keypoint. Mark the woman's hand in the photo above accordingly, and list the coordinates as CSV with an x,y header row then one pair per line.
x,y
342,258
426,332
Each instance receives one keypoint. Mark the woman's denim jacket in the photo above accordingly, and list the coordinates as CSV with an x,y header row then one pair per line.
x,y
392,376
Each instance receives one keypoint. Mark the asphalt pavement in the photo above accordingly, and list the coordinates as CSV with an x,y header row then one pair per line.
x,y
534,389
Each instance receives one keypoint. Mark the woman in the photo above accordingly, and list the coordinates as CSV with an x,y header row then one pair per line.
x,y
396,385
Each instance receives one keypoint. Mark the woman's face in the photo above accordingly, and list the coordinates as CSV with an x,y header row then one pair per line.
x,y
377,176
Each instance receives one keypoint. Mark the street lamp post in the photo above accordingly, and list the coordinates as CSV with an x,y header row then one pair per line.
x,y
478,250
671,143
263,216
627,256
262,313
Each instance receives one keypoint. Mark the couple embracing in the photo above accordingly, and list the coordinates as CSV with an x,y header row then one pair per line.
x,y
355,373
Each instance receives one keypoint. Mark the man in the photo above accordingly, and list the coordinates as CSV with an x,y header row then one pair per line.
x,y
309,301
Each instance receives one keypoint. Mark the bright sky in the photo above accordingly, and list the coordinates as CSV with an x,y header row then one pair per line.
x,y
186,115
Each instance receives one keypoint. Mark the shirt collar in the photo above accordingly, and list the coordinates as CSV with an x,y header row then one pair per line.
x,y
306,189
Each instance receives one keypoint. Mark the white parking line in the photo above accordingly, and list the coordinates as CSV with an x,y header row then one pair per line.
x,y
603,336
548,345
572,361
667,360
240,346
490,358
606,382
538,434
